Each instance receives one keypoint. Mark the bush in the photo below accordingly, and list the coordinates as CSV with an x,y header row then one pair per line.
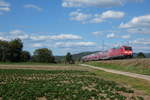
x,y
25,56
141,55
68,58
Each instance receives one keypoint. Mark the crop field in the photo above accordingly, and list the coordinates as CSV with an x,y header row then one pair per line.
x,y
140,66
25,84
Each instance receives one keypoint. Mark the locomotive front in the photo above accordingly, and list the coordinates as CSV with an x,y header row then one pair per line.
x,y
127,51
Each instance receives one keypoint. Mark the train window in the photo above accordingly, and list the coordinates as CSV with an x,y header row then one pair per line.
x,y
128,48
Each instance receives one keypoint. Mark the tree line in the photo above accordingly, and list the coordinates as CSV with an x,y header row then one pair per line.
x,y
12,51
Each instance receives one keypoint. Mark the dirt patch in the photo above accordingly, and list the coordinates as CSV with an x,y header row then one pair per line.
x,y
41,98
44,67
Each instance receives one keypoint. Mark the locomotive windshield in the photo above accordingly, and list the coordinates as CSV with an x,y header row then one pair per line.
x,y
128,48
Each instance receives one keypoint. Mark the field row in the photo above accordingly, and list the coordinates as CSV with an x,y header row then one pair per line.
x,y
60,85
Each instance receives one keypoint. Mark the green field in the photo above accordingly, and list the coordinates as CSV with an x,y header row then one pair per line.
x,y
60,85
135,83
121,67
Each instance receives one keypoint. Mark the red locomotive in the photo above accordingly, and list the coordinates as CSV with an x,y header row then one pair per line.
x,y
114,53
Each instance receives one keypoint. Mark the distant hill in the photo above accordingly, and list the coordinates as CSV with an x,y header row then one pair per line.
x,y
76,57
146,54
80,55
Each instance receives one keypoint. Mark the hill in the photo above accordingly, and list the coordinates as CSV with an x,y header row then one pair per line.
x,y
146,54
76,57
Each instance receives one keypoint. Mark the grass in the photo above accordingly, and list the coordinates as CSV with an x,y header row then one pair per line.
x,y
135,83
61,85
115,66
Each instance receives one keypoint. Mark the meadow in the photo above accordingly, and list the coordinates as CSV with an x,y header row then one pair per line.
x,y
140,66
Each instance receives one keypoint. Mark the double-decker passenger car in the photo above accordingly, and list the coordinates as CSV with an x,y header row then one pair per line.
x,y
113,53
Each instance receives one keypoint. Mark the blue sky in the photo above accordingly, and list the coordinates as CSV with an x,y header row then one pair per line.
x,y
76,25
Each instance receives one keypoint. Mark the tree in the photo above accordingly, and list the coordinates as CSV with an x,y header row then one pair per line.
x,y
16,46
140,55
4,51
68,58
25,56
43,55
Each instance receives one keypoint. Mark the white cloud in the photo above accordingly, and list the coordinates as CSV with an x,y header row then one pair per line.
x,y
125,36
96,18
141,30
141,41
97,33
88,3
16,32
140,21
95,3
112,35
112,14
141,48
4,4
57,37
141,44
4,7
3,38
37,45
23,35
37,38
33,6
79,16
138,24
75,44
66,36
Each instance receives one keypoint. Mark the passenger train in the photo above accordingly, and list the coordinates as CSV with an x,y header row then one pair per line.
x,y
113,53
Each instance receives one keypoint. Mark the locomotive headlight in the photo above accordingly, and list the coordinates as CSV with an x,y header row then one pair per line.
x,y
128,52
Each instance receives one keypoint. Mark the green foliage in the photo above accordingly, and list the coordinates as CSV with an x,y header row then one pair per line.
x,y
25,56
59,85
4,51
141,55
135,83
43,55
15,49
10,51
68,58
